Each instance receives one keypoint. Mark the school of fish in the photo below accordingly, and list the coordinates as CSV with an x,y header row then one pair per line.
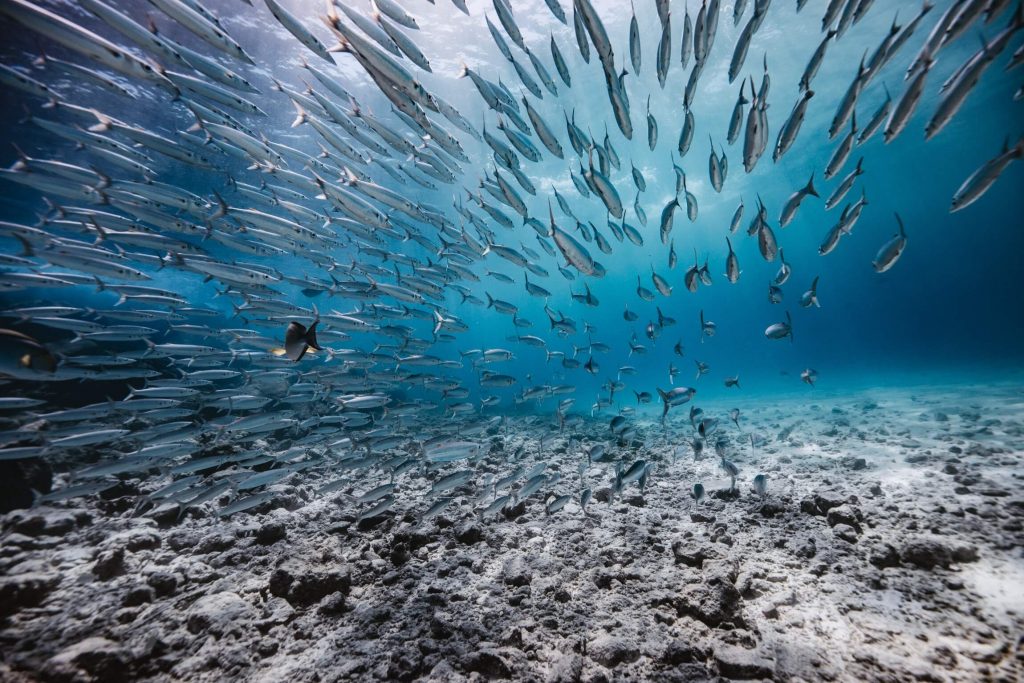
x,y
341,345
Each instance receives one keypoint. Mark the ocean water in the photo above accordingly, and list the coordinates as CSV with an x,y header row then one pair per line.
x,y
446,491
948,309
949,305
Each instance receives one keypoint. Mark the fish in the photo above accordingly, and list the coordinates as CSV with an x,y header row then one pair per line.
x,y
979,182
780,330
25,353
675,397
904,109
635,55
731,470
891,251
298,339
760,483
160,178
664,52
697,493
732,269
794,201
810,297
766,242
296,28
790,129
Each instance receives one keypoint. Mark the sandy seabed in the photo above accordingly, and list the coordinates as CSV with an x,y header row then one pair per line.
x,y
888,548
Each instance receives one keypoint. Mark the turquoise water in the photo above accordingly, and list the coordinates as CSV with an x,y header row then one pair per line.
x,y
949,308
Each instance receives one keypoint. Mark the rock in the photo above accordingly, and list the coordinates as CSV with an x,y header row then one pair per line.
x,y
215,543
163,583
95,659
278,611
303,585
511,512
827,500
845,514
884,555
469,533
855,464
166,514
184,539
25,590
138,595
489,663
367,523
271,533
565,668
845,532
685,553
399,554
738,662
965,552
926,552
809,507
516,571
610,651
219,614
716,599
803,546
53,523
141,540
109,564
18,480
267,647
332,605
682,652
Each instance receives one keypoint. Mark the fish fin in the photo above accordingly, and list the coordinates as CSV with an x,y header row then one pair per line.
x,y
310,337
301,116
810,186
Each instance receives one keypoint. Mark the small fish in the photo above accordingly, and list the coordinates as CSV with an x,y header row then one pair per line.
x,y
981,180
810,297
707,328
697,493
731,470
732,266
761,484
23,352
675,397
891,250
298,339
794,201
781,330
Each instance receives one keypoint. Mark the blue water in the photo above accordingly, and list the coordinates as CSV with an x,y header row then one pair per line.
x,y
950,308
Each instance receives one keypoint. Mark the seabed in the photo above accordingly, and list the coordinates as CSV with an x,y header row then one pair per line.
x,y
887,548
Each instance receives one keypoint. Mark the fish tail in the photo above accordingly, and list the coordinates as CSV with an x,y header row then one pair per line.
x,y
310,336
1018,150
810,187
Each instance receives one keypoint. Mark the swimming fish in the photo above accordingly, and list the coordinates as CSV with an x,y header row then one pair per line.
x,y
298,339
